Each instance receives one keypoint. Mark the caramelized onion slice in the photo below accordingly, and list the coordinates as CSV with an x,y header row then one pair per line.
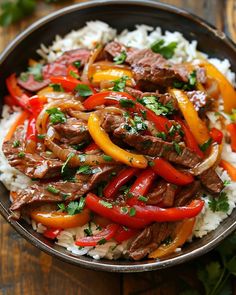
x,y
76,160
209,161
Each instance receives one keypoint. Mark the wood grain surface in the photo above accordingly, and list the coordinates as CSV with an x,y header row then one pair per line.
x,y
25,270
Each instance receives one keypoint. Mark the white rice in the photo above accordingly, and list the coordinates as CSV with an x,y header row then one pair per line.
x,y
142,37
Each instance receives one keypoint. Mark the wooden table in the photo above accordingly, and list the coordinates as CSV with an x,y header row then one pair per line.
x,y
25,270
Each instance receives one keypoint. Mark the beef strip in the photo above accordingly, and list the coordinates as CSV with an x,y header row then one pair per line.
x,y
149,239
73,131
187,193
115,48
83,183
156,147
211,181
111,122
163,193
56,68
162,98
32,165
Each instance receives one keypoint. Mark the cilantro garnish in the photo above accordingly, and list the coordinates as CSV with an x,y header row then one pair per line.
x,y
206,145
56,116
75,207
105,204
57,87
119,85
190,85
83,90
132,212
165,50
152,103
52,189
16,143
126,103
219,203
120,59
70,156
77,64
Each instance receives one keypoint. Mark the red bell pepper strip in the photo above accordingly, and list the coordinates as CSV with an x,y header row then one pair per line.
x,y
117,182
216,135
124,234
52,233
157,214
91,147
141,186
115,213
169,173
105,235
19,98
189,139
111,98
68,83
231,128
72,71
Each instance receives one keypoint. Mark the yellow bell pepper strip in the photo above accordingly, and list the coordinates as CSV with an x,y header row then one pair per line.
x,y
111,75
227,90
60,219
103,141
45,90
196,125
183,231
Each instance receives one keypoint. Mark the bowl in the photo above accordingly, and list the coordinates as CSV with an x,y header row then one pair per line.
x,y
119,14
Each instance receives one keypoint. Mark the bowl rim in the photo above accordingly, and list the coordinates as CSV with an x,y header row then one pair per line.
x,y
101,265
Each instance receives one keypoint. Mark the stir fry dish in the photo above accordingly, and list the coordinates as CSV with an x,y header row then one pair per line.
x,y
116,142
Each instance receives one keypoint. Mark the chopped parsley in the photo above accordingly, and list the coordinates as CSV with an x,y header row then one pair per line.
x,y
77,64
176,129
56,116
177,148
161,135
105,204
124,210
70,156
16,143
57,87
107,158
62,207
165,50
126,103
35,70
21,154
226,182
132,212
152,103
79,146
219,203
151,163
120,59
74,74
88,170
139,124
102,241
41,136
88,231
75,207
83,90
52,189
190,85
206,145
119,85
142,199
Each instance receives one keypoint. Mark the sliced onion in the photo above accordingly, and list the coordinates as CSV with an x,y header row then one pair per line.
x,y
79,115
86,71
112,110
208,162
77,160
53,95
42,119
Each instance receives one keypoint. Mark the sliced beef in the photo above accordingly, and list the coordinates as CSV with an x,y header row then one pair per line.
x,y
164,99
32,165
57,68
163,193
114,49
156,147
73,131
211,181
111,122
72,190
149,239
152,67
187,193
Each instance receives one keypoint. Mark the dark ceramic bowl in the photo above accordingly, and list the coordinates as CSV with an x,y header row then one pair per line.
x,y
119,14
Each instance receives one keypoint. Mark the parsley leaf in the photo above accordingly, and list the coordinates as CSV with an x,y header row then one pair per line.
x,y
165,50
190,85
120,59
75,207
206,145
126,103
83,90
119,85
219,203
56,87
56,116
77,64
70,156
152,103
52,189
88,170
105,204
